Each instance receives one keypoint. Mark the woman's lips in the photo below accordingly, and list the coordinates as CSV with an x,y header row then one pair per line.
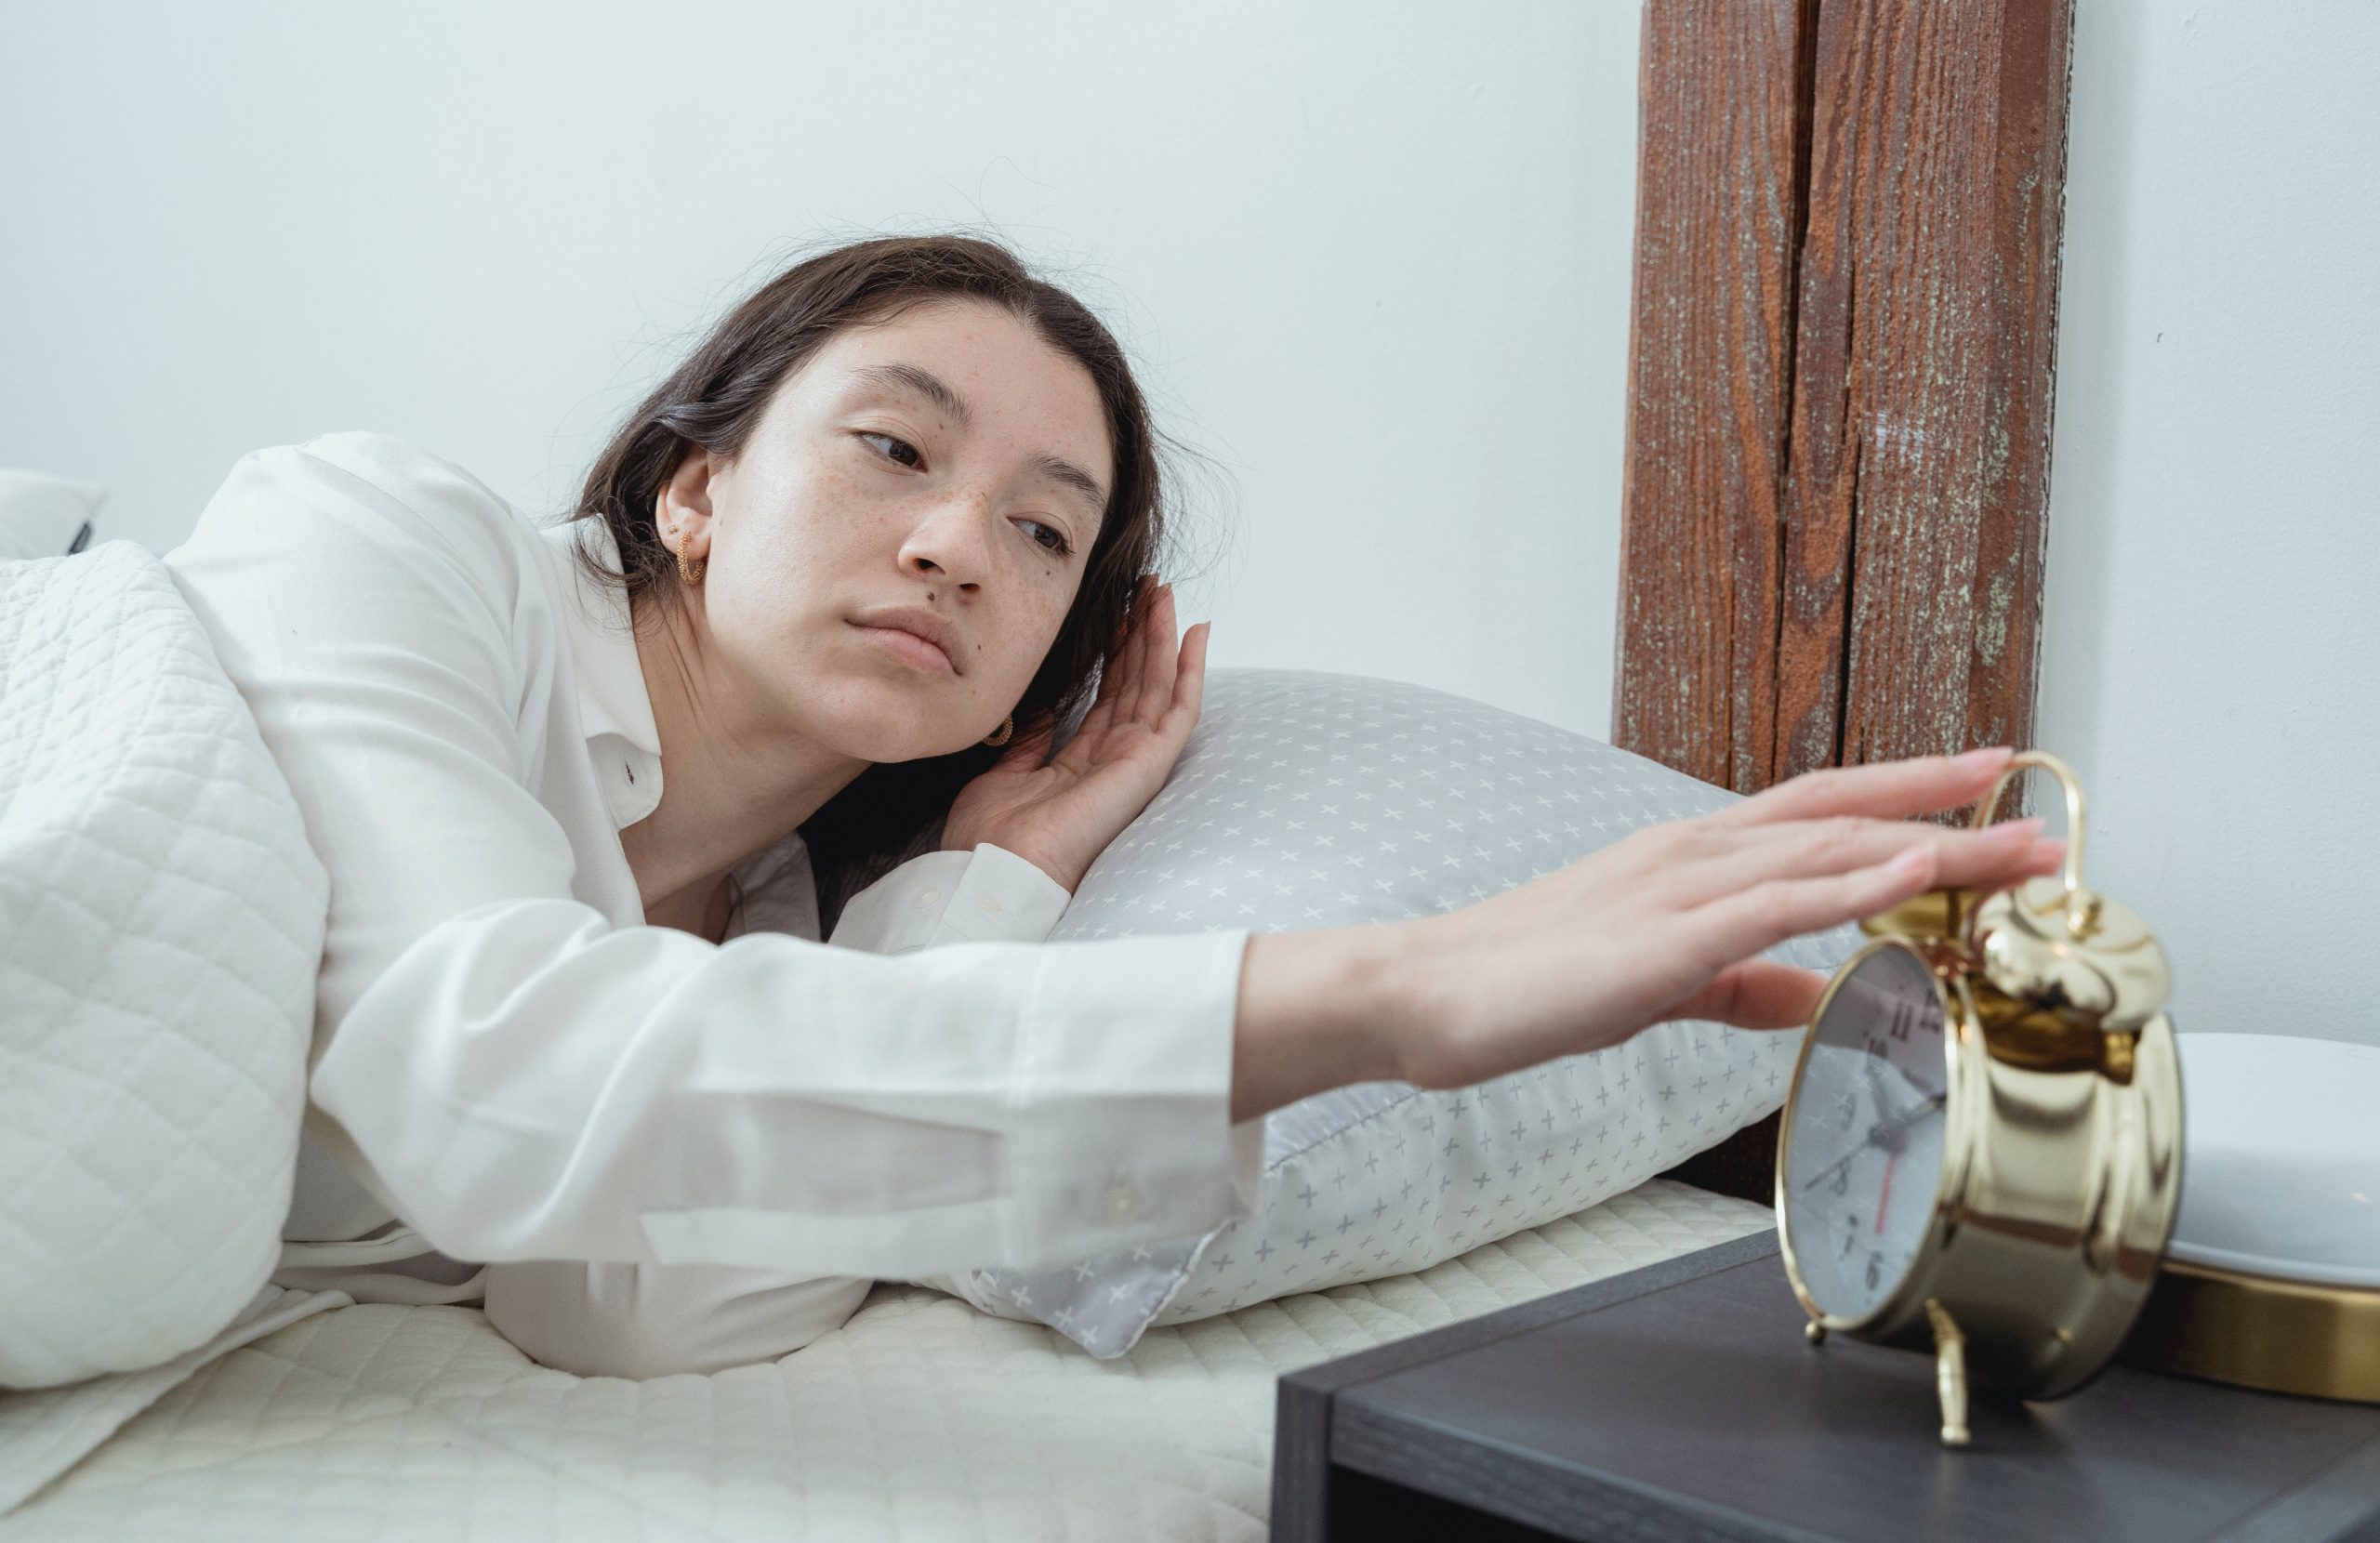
x,y
911,647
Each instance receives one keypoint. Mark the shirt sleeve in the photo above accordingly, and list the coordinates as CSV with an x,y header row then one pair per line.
x,y
518,1075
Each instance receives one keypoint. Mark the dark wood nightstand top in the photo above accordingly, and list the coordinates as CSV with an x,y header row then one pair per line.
x,y
1681,1402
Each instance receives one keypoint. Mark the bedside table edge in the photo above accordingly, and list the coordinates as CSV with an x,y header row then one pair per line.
x,y
1302,1454
1490,1478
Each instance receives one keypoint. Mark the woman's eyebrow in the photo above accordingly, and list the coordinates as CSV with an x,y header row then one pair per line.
x,y
923,382
1074,478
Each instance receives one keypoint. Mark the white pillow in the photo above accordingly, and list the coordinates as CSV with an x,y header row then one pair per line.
x,y
1305,800
161,923
43,516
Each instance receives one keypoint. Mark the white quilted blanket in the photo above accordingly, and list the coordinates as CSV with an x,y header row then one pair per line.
x,y
161,922
919,1420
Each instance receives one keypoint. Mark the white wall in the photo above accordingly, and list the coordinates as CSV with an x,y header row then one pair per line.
x,y
2210,647
1373,258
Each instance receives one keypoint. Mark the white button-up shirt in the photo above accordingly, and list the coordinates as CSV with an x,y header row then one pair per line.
x,y
508,1063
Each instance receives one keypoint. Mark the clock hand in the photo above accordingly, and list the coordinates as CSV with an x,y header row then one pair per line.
x,y
1881,1136
1872,1068
1916,1115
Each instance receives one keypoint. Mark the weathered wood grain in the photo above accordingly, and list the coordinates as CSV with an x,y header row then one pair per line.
x,y
1843,337
1709,371
1918,460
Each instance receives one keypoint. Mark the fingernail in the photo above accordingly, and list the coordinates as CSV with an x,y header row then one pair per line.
x,y
1990,756
2029,825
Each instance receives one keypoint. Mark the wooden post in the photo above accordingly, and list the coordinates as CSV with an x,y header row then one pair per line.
x,y
1841,356
1917,488
1719,204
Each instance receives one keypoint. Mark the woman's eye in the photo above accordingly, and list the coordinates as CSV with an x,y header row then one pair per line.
x,y
898,448
1058,542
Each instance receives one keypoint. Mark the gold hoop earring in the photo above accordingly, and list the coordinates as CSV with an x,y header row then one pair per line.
x,y
1008,727
693,574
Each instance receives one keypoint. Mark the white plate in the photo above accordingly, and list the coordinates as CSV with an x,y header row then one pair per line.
x,y
2281,1167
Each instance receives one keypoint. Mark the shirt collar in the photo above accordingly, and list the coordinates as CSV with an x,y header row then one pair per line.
x,y
612,703
617,712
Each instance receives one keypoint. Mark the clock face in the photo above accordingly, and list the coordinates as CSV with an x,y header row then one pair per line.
x,y
1864,1158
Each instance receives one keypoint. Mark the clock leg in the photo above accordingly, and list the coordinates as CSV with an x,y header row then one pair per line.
x,y
1949,1373
1815,1332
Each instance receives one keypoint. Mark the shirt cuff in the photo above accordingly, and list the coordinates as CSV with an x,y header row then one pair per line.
x,y
1124,1078
987,895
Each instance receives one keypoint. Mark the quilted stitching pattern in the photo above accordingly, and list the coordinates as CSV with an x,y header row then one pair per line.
x,y
918,1421
161,922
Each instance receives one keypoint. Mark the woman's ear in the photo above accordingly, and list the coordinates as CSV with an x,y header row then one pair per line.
x,y
683,511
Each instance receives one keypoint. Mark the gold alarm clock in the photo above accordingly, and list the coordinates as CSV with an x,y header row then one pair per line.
x,y
1981,1151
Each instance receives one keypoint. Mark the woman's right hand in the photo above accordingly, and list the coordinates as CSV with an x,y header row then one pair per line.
x,y
1667,923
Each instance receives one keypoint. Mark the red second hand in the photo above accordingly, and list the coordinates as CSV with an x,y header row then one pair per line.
x,y
1885,1198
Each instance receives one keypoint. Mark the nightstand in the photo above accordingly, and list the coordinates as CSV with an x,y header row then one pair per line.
x,y
1681,1402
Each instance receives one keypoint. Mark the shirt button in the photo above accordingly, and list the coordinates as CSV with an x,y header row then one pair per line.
x,y
987,901
925,898
1122,1202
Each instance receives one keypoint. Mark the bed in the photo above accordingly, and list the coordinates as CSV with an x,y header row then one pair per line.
x,y
920,1418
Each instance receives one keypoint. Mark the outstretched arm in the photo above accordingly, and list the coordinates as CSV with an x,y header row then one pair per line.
x,y
1669,923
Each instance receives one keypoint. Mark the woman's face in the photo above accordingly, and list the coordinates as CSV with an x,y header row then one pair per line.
x,y
946,462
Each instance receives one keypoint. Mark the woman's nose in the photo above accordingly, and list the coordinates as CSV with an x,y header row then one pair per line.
x,y
951,541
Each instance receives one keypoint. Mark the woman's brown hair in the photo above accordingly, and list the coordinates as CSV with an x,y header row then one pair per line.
x,y
713,400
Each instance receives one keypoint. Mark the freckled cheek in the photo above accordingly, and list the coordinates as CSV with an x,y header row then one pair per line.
x,y
832,509
1016,652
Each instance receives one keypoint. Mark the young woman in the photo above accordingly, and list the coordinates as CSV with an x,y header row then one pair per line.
x,y
579,1051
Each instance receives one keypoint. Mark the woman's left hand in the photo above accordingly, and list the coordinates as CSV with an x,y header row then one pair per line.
x,y
1059,814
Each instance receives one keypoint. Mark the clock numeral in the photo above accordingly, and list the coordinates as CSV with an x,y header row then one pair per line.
x,y
1875,1270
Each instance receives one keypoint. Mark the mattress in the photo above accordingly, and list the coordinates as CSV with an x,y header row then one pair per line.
x,y
920,1418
